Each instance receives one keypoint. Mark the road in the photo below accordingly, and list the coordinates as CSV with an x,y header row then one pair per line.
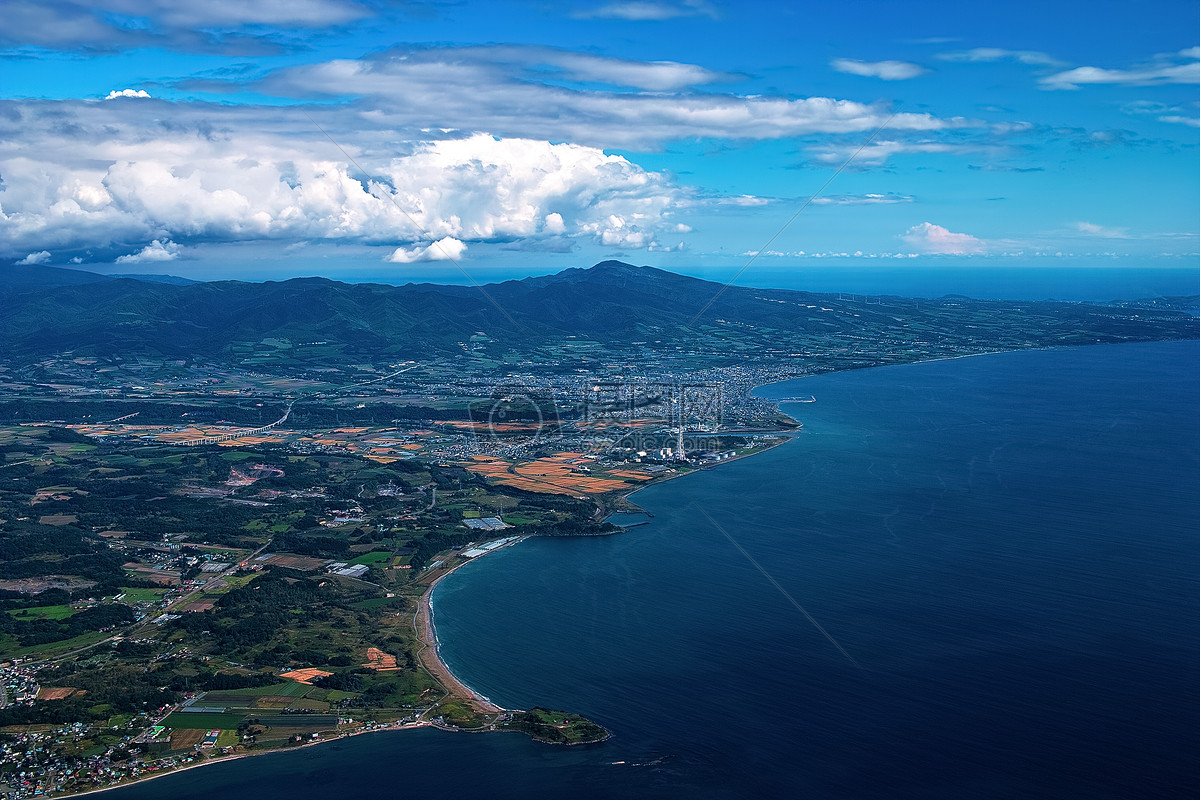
x,y
184,599
140,627
240,433
373,380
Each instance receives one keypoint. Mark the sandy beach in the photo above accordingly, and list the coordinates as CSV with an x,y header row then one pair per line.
x,y
428,654
430,657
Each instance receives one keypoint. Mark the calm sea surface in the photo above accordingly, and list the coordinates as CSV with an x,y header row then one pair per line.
x,y
1006,547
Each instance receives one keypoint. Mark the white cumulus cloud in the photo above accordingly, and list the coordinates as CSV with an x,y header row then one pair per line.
x,y
115,93
936,240
482,188
445,249
157,250
554,223
885,70
175,186
496,144
40,257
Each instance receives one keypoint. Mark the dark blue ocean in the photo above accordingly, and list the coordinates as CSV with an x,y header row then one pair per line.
x,y
1005,547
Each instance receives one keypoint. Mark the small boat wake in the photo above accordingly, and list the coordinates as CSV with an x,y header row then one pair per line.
x,y
655,763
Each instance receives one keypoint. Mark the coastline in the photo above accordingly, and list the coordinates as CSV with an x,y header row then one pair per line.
x,y
430,655
424,626
784,438
918,361
788,435
430,660
251,754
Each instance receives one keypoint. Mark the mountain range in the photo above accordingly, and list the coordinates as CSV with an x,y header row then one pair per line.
x,y
617,307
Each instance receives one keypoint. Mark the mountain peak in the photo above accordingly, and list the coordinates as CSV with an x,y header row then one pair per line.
x,y
613,264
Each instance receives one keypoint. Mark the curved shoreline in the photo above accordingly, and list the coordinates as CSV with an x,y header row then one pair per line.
x,y
430,660
430,652
423,619
424,627
784,438
426,633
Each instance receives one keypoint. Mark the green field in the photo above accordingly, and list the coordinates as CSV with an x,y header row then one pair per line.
x,y
378,602
371,559
49,650
293,689
282,689
228,700
142,595
43,612
205,721
459,714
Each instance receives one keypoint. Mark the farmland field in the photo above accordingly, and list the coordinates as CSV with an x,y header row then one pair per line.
x,y
183,738
203,721
375,558
43,612
282,689
141,595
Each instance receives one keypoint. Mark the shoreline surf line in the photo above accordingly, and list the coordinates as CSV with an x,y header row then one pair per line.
x,y
430,653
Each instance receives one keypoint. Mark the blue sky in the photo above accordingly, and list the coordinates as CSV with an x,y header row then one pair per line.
x,y
394,141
